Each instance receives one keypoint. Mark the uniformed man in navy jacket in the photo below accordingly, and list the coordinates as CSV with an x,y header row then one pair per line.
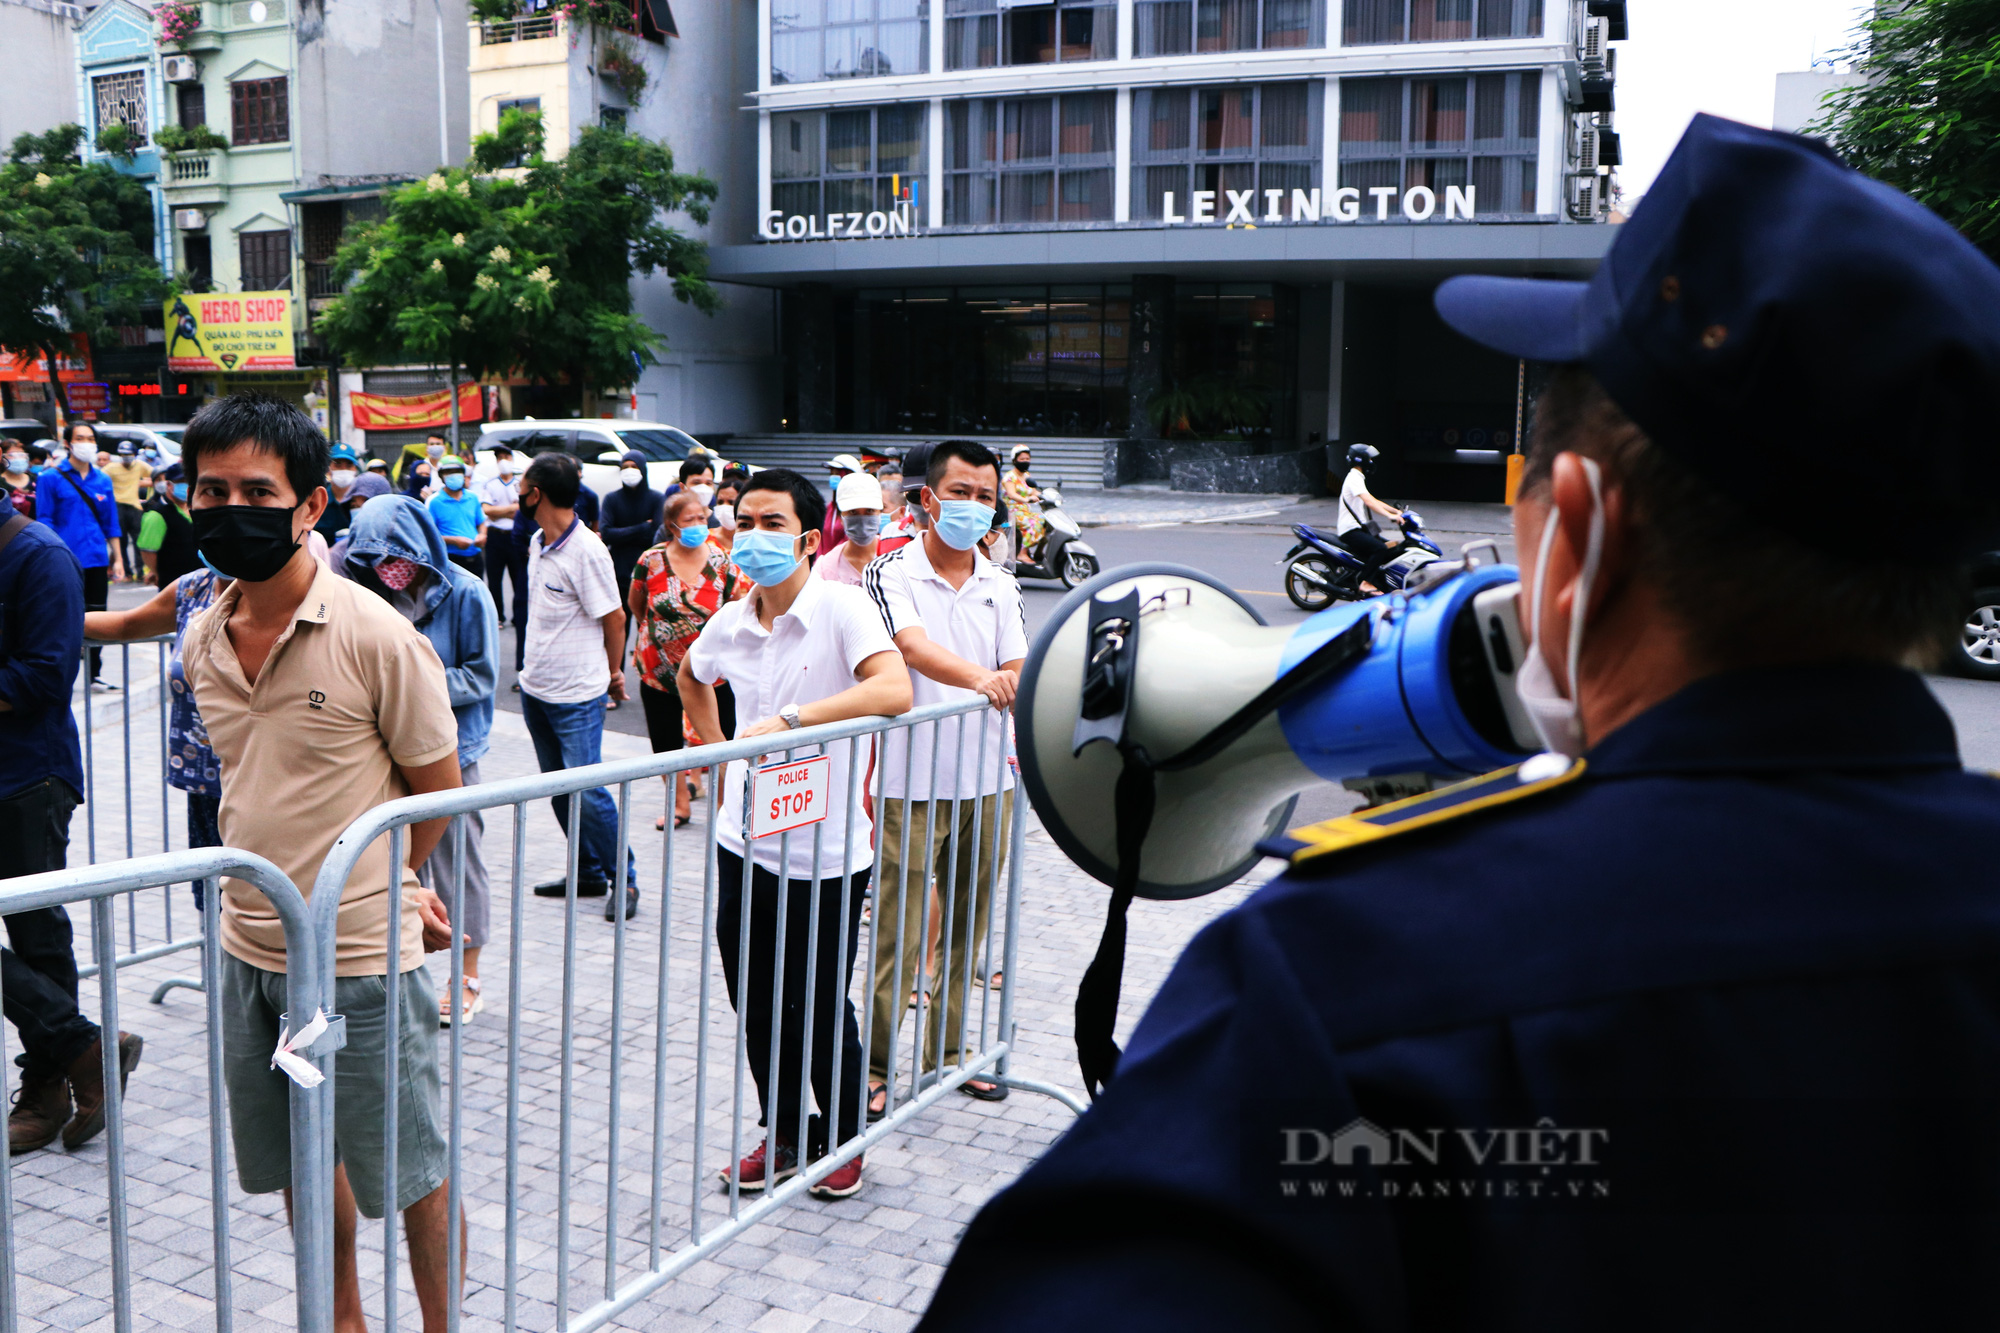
x,y
1705,1035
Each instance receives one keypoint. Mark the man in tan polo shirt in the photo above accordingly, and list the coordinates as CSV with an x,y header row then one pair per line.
x,y
321,702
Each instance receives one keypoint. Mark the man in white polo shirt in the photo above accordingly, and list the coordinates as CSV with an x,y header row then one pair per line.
x,y
574,660
798,652
957,618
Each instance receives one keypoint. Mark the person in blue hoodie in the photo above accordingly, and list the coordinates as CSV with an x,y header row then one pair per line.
x,y
394,549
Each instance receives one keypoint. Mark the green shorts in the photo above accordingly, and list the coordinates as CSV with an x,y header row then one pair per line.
x,y
260,1120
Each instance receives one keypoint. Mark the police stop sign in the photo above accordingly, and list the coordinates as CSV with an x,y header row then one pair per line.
x,y
788,796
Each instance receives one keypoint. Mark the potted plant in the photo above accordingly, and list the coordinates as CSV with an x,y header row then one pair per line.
x,y
194,139
178,20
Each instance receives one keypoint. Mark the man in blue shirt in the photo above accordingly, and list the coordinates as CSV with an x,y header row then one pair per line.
x,y
460,517
76,499
1694,1020
41,778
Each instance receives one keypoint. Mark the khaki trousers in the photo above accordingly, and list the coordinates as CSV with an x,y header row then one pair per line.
x,y
901,896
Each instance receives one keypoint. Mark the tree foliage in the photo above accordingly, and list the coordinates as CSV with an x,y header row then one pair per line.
x,y
76,247
519,264
1925,113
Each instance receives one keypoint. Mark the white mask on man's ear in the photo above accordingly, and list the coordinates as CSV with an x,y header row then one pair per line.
x,y
1555,716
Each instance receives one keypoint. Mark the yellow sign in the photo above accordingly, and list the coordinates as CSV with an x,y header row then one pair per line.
x,y
229,331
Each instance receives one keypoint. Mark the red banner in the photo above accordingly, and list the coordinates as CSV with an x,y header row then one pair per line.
x,y
375,411
71,366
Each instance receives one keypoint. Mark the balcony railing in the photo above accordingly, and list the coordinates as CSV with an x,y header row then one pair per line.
x,y
527,29
192,168
321,279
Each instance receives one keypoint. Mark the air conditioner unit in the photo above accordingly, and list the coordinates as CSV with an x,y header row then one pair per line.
x,y
1586,151
1583,199
1590,42
180,69
190,219
1617,25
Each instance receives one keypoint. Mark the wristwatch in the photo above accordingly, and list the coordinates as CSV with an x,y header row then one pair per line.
x,y
790,712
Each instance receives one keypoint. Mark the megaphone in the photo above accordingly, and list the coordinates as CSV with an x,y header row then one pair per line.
x,y
1164,668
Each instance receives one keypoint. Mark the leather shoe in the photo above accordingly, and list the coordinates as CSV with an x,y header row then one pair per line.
x,y
585,888
86,1083
631,904
39,1113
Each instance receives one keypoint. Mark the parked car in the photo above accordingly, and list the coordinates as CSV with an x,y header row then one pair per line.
x,y
1978,652
599,445
161,435
26,430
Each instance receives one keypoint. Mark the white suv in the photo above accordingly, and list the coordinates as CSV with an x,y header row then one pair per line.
x,y
598,445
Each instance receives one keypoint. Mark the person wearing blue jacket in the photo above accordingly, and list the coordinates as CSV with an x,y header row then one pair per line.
x,y
41,783
393,548
75,498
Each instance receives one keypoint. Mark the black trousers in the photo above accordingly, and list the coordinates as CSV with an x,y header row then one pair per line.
x,y
833,1012
38,991
663,716
1372,549
96,593
507,560
129,518
471,561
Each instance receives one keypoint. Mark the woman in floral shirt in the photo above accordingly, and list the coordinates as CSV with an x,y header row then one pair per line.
x,y
676,587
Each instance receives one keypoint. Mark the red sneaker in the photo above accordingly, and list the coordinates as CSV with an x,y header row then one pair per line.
x,y
753,1173
845,1181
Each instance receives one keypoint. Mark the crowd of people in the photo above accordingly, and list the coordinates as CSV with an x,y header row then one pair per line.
x,y
303,581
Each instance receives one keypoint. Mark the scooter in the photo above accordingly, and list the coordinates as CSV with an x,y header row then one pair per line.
x,y
1319,571
1061,553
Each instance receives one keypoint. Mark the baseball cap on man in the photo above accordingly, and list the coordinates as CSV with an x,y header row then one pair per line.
x,y
1798,335
857,490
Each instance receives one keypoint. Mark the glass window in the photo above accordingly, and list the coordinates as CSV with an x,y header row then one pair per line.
x,y
1382,22
260,111
848,39
1029,160
1479,131
265,260
862,160
1259,141
980,34
121,100
1185,27
662,446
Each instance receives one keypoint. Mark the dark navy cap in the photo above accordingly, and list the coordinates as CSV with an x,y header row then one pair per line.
x,y
1806,339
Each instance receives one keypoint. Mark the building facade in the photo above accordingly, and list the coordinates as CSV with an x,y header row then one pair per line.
x,y
39,92
1192,219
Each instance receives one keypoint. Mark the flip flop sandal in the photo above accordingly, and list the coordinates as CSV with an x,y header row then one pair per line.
x,y
875,1091
992,1092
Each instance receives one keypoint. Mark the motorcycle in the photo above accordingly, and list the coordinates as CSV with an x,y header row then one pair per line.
x,y
1319,571
1061,553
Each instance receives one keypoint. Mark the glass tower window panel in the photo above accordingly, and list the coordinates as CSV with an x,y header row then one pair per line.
x,y
1225,25
1293,23
1156,183
1371,22
972,42
1365,176
1285,119
848,141
1029,37
1489,107
796,197
1166,119
1528,100
1440,20
847,39
1087,128
1228,120
1436,173
899,139
1086,196
1029,134
1088,32
1371,113
1165,27
1027,196
795,145
796,40
1437,112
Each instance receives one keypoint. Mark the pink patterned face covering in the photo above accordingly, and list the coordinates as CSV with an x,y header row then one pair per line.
x,y
395,572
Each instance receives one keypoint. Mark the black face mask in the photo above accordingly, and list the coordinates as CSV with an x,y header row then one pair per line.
x,y
527,510
248,542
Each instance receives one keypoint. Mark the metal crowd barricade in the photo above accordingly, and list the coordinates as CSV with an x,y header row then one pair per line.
x,y
645,1241
107,791
312,1171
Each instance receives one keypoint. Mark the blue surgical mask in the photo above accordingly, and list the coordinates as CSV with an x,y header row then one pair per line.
x,y
961,523
454,481
181,491
693,537
767,557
